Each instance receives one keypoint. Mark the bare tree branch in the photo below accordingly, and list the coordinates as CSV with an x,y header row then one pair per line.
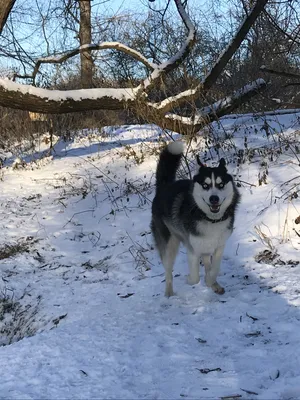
x,y
102,46
281,73
167,104
279,29
158,70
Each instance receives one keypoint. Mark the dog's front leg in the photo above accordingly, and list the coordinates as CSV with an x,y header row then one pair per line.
x,y
194,265
212,269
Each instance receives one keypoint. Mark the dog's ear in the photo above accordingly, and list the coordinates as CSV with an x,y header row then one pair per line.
x,y
199,162
222,164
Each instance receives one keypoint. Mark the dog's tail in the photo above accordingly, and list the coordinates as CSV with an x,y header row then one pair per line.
x,y
168,164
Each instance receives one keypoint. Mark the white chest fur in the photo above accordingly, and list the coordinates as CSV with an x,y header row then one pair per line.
x,y
211,236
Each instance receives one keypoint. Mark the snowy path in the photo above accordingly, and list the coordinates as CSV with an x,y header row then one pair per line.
x,y
104,329
145,346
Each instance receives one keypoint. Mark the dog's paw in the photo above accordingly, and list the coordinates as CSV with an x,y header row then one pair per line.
x,y
217,288
169,292
192,280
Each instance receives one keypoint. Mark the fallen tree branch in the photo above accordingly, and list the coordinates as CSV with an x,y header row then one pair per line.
x,y
54,101
281,73
230,103
190,125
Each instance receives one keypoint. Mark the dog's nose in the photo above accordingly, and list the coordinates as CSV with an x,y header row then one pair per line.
x,y
214,199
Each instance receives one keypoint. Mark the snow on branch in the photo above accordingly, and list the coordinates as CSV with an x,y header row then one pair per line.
x,y
218,109
101,46
229,103
181,54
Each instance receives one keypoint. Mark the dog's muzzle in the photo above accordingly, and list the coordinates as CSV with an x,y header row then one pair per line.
x,y
214,204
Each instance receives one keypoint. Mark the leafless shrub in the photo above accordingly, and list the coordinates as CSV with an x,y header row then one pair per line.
x,y
16,127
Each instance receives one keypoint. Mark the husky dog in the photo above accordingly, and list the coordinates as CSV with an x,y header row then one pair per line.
x,y
199,213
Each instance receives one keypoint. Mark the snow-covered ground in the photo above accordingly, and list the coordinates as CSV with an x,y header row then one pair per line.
x,y
82,306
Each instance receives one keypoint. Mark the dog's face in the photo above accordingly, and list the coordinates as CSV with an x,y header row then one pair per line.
x,y
213,189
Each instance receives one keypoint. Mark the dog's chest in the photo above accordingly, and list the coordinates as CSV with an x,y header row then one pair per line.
x,y
211,236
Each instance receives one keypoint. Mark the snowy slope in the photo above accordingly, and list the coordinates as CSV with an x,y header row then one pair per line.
x,y
83,289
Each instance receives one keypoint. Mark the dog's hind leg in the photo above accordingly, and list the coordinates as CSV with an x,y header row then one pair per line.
x,y
212,269
194,265
167,246
168,258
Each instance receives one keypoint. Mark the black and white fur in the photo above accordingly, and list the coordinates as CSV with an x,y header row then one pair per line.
x,y
199,213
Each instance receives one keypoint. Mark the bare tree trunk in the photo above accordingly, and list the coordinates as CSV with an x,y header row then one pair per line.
x,y
5,8
85,36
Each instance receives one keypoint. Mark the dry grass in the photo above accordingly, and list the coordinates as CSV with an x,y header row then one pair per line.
x,y
17,321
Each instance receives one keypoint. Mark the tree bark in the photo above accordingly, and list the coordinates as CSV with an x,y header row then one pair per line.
x,y
46,101
85,36
5,9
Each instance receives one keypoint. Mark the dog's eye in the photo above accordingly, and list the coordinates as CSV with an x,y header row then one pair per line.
x,y
221,185
205,185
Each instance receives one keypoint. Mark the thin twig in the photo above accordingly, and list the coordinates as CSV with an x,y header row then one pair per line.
x,y
79,212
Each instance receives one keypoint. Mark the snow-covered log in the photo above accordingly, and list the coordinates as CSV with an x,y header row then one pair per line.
x,y
47,101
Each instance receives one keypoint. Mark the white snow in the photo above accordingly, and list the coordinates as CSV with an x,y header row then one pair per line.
x,y
98,46
172,99
227,101
189,41
90,285
76,95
